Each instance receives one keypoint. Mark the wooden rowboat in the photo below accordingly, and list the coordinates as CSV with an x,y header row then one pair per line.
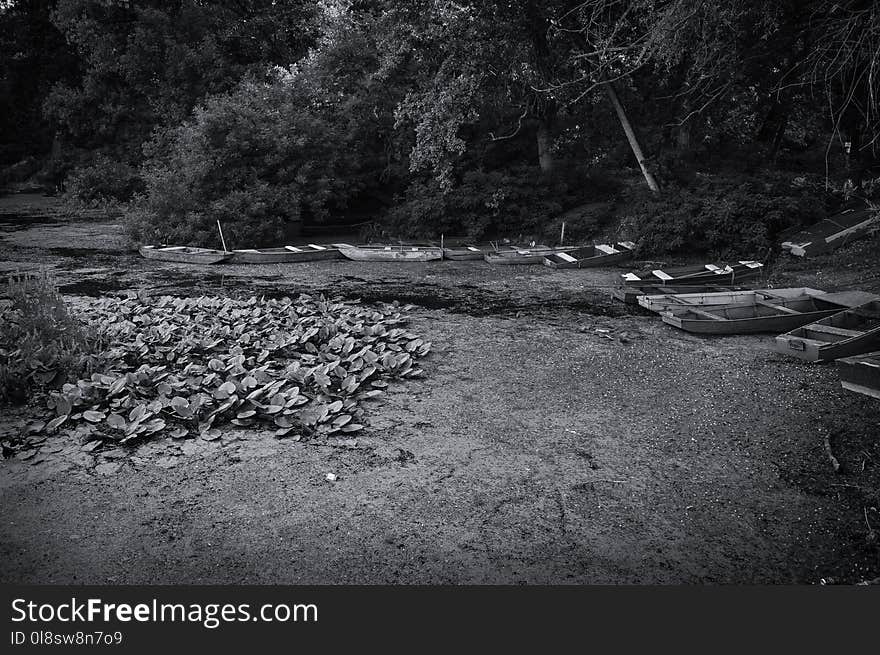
x,y
850,332
681,301
523,255
391,253
631,294
591,256
287,254
861,374
472,252
705,274
763,315
830,233
185,254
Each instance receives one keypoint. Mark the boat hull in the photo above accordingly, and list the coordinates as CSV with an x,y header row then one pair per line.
x,y
681,302
591,256
708,274
764,316
850,332
861,374
833,232
392,253
289,255
184,255
522,256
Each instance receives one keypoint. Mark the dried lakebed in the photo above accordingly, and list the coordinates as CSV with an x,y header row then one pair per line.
x,y
553,438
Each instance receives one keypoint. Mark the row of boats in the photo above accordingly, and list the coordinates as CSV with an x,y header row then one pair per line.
x,y
556,257
811,324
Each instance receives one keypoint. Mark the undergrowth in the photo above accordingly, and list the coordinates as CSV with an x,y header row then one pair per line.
x,y
42,344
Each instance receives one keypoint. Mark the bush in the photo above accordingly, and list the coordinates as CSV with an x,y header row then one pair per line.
x,y
733,217
41,344
518,202
103,181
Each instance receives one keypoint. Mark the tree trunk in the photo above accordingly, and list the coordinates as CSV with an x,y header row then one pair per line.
x,y
777,139
545,142
631,137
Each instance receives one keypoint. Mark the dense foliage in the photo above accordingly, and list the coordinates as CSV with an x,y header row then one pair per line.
x,y
434,117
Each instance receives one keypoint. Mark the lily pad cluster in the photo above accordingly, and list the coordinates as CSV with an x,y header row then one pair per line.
x,y
183,366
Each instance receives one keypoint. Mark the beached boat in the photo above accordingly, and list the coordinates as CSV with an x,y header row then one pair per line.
x,y
850,332
780,315
287,254
381,253
681,301
861,373
703,274
631,294
471,252
185,254
832,232
591,256
533,255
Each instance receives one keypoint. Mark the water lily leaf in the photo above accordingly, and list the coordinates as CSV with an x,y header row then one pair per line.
x,y
210,435
183,411
216,364
246,414
55,423
151,427
273,409
137,413
116,421
334,407
63,406
179,433
93,416
341,420
179,401
116,387
351,427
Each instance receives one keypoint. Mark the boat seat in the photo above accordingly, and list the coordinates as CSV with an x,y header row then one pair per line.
x,y
780,308
830,329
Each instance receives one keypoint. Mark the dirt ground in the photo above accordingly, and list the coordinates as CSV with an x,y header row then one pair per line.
x,y
557,437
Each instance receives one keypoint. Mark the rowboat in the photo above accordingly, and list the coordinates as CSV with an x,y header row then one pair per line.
x,y
832,232
680,301
850,332
631,294
391,253
708,273
591,256
465,253
781,315
185,254
286,254
861,373
523,255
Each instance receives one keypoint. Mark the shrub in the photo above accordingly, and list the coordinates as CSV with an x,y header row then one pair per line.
x,y
103,181
721,217
41,344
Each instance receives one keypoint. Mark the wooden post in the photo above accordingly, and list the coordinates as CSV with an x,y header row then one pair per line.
x,y
222,240
562,235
